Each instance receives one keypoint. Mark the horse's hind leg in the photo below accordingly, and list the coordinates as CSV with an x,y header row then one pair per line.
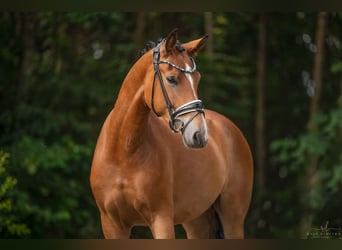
x,y
203,227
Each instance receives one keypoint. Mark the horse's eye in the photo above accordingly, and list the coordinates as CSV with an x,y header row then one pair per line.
x,y
172,80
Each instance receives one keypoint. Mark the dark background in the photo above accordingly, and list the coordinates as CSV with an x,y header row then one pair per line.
x,y
276,75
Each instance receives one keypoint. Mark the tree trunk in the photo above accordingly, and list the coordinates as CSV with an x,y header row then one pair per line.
x,y
140,30
317,78
317,68
208,23
260,107
311,181
339,101
25,30
209,54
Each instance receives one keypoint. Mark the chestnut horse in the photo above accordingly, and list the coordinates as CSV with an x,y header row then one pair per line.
x,y
162,159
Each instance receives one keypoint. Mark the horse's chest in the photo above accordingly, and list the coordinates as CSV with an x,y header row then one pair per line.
x,y
190,189
122,203
135,193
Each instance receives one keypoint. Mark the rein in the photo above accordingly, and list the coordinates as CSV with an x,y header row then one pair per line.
x,y
189,107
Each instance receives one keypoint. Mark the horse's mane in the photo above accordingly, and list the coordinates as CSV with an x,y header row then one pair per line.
x,y
151,44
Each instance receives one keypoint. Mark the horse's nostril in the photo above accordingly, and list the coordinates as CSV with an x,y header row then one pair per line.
x,y
197,138
199,141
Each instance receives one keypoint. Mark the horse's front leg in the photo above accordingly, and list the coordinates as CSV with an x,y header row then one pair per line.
x,y
112,229
162,226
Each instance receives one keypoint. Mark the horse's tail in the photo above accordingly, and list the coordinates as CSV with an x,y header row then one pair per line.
x,y
216,229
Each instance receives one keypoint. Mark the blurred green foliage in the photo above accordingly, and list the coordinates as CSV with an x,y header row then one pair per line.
x,y
59,77
10,225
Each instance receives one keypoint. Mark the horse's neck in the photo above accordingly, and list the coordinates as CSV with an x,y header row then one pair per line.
x,y
130,116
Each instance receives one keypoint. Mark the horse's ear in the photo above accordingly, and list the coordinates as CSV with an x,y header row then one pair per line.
x,y
195,46
171,40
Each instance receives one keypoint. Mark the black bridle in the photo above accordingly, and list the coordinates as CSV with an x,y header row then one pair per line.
x,y
189,107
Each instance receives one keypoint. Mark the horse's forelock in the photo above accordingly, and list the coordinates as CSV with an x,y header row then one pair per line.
x,y
151,44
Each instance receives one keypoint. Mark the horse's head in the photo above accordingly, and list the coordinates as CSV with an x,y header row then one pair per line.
x,y
171,88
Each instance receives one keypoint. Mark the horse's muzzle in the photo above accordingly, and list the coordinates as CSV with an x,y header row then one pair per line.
x,y
196,133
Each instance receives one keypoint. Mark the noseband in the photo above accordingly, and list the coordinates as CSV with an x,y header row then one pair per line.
x,y
195,106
